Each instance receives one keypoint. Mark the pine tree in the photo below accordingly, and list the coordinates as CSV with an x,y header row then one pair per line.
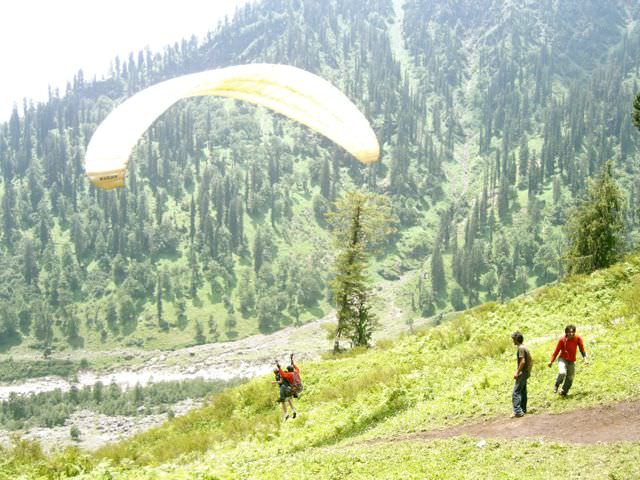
x,y
325,180
8,218
258,250
213,329
181,312
636,112
199,335
72,327
438,277
596,227
29,265
360,221
126,310
457,299
159,317
192,220
112,316
246,292
503,200
230,324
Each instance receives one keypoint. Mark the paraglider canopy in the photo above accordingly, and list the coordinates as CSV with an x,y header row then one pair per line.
x,y
295,93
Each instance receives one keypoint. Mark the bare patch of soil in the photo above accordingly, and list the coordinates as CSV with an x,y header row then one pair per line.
x,y
605,423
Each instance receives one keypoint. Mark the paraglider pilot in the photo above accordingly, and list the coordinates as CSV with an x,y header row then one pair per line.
x,y
286,380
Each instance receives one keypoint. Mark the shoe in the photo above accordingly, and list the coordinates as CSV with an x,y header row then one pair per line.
x,y
295,414
285,418
563,394
555,389
517,415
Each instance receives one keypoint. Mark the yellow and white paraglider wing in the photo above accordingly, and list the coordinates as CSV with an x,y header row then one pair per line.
x,y
111,144
295,93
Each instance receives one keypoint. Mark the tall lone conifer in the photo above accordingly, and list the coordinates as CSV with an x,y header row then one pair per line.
x,y
596,227
361,221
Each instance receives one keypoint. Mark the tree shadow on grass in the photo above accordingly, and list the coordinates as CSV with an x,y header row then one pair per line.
x,y
577,395
396,404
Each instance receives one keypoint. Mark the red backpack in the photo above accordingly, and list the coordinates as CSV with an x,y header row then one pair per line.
x,y
297,381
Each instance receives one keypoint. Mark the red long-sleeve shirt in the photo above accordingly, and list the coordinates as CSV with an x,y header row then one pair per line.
x,y
288,376
567,348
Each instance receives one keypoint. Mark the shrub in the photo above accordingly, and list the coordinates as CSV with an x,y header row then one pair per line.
x,y
74,432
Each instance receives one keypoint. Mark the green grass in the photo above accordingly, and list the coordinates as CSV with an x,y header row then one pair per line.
x,y
456,373
459,458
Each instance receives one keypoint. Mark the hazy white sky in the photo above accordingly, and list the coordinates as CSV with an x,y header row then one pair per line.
x,y
46,42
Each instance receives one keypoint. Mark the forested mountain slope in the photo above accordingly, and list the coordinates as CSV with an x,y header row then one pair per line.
x,y
492,116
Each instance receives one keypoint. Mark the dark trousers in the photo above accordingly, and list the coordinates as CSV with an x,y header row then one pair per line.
x,y
519,395
566,372
285,392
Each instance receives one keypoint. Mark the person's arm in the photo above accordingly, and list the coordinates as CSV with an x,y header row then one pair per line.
x,y
292,364
279,368
521,364
555,352
581,346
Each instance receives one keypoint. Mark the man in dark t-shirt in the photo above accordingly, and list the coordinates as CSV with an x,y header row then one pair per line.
x,y
523,370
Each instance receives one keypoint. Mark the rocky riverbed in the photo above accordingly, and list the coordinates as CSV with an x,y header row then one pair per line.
x,y
245,358
95,429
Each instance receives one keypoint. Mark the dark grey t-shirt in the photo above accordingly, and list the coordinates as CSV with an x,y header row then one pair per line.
x,y
524,352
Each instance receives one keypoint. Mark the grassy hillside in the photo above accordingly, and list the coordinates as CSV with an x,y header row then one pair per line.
x,y
456,373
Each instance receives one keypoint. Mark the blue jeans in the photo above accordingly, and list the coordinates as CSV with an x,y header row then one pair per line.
x,y
519,395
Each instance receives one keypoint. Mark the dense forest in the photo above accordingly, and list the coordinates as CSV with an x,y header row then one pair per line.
x,y
492,117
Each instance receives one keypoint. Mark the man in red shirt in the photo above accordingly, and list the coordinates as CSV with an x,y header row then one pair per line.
x,y
567,346
296,385
287,380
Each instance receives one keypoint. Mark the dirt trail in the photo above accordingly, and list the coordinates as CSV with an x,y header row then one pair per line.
x,y
606,423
